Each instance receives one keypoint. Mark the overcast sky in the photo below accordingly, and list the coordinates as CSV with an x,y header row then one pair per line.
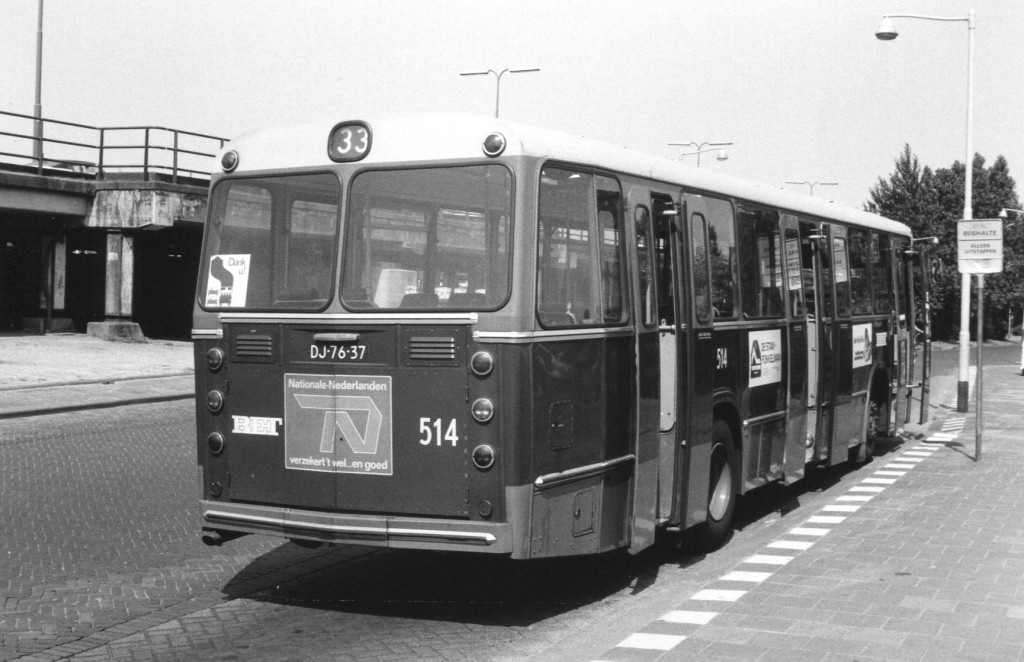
x,y
802,87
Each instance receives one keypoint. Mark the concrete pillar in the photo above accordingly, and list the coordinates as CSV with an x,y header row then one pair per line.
x,y
118,297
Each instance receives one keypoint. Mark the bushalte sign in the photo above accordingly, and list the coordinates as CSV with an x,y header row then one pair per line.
x,y
979,246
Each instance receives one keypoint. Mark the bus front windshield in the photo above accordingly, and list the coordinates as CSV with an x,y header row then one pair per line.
x,y
429,238
272,243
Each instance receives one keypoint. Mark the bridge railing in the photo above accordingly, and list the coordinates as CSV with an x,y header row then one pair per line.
x,y
69,149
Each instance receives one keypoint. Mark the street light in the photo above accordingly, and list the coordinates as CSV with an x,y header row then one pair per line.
x,y
701,148
37,149
887,32
497,75
813,184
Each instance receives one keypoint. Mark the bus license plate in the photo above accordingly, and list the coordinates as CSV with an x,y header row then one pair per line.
x,y
337,352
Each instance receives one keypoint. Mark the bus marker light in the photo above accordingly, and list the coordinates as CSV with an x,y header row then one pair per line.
x,y
229,161
485,508
215,401
483,410
215,358
215,442
215,489
482,363
483,458
494,144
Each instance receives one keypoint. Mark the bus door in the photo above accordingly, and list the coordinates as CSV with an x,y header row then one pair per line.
x,y
822,334
658,357
847,410
922,304
798,416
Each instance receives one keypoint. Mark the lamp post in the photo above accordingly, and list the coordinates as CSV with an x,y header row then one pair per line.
x,y
37,143
497,75
813,184
704,147
887,32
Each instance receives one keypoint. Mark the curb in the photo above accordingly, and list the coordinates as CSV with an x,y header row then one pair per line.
x,y
85,382
106,404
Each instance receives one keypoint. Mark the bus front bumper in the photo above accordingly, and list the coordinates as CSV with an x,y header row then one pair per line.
x,y
378,530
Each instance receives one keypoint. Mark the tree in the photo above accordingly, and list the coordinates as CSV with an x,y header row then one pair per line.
x,y
931,203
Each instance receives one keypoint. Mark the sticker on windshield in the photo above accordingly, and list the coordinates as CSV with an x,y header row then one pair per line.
x,y
228,281
339,424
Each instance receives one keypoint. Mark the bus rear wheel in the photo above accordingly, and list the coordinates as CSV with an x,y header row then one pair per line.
x,y
878,424
723,488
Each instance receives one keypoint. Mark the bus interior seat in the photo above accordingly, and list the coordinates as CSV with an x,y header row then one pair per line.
x,y
419,300
466,300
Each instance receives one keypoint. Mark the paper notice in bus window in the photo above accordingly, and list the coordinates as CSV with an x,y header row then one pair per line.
x,y
793,263
228,281
771,264
765,357
839,260
861,345
338,424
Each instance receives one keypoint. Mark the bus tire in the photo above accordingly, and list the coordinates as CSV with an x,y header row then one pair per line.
x,y
723,488
878,426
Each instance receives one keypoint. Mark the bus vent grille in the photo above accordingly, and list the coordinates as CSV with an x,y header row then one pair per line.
x,y
257,348
432,348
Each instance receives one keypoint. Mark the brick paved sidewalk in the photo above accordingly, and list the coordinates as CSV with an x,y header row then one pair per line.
x,y
922,560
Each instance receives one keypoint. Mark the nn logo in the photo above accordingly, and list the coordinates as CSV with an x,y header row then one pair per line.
x,y
755,360
337,416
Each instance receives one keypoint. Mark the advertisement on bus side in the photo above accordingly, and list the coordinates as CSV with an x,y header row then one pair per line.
x,y
765,357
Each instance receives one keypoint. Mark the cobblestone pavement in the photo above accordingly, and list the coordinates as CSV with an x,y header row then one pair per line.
x,y
918,555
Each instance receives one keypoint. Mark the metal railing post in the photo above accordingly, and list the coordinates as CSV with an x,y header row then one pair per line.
x,y
99,158
145,157
174,169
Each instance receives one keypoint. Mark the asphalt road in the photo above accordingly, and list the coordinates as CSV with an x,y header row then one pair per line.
x,y
100,558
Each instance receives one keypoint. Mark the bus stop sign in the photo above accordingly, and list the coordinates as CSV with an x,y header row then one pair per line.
x,y
979,246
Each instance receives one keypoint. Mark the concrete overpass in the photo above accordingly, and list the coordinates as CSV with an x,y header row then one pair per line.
x,y
100,229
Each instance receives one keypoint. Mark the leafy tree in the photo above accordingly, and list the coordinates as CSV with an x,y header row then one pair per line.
x,y
931,203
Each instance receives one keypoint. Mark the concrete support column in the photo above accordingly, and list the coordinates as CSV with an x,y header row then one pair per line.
x,y
118,297
120,267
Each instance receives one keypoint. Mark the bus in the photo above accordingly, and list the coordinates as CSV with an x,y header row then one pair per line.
x,y
460,333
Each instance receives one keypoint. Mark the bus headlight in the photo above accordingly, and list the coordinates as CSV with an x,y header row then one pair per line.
x,y
215,442
215,401
215,358
229,161
481,364
483,457
494,144
483,410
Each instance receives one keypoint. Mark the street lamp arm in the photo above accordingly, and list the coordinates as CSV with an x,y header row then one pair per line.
x,y
968,18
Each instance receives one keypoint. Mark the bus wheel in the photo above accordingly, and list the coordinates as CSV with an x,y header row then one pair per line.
x,y
722,489
878,426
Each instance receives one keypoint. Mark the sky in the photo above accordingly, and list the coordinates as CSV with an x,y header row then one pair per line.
x,y
802,88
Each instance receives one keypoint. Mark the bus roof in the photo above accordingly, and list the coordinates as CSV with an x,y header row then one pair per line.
x,y
442,137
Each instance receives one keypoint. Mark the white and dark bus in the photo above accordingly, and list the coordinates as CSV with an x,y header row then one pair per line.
x,y
461,333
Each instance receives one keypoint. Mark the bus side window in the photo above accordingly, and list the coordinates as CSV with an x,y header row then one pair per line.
x,y
645,276
579,249
701,279
794,274
722,253
881,274
760,262
860,283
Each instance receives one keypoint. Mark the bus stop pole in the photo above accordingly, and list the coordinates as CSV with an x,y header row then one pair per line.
x,y
978,420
